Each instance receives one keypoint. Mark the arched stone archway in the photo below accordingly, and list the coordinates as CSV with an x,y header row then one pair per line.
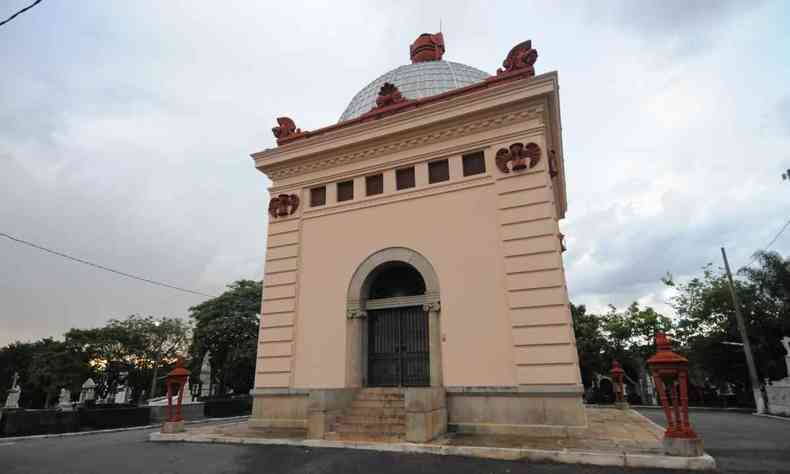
x,y
358,303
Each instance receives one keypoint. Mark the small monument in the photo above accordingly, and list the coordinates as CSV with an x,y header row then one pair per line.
x,y
778,391
176,380
64,400
123,393
205,375
88,393
12,401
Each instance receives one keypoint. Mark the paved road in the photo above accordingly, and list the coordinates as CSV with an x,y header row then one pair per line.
x,y
740,442
128,452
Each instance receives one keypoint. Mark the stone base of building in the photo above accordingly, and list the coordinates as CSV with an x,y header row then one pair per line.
x,y
432,411
279,408
529,411
683,447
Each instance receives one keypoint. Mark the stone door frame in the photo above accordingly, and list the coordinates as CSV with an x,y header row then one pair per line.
x,y
357,305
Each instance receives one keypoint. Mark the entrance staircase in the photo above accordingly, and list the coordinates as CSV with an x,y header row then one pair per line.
x,y
376,414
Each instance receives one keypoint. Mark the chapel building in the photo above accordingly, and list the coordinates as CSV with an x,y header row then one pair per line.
x,y
414,281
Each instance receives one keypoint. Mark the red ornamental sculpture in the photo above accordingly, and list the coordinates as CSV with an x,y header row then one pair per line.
x,y
517,154
283,205
670,375
388,95
285,129
427,47
617,374
176,380
520,58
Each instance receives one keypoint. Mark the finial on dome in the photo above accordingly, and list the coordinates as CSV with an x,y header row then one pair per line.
x,y
427,47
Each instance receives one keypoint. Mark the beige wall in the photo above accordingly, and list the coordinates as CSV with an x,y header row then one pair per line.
x,y
492,240
457,232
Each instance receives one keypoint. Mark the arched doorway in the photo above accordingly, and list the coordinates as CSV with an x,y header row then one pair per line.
x,y
393,322
398,349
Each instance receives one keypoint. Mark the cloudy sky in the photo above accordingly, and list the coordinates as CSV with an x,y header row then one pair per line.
x,y
126,129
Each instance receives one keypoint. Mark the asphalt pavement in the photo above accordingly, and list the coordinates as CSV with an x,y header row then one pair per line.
x,y
740,443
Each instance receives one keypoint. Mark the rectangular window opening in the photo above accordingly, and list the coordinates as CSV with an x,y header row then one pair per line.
x,y
318,196
474,163
374,184
438,171
345,191
404,178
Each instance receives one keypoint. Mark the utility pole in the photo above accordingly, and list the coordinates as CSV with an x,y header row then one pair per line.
x,y
747,347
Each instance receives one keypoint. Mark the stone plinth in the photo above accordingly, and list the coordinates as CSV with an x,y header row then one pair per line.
x,y
683,447
173,427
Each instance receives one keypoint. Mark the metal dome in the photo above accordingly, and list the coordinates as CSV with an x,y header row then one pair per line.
x,y
415,81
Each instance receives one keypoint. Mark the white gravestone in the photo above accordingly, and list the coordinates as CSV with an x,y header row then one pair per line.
x,y
64,400
88,392
205,376
123,394
12,400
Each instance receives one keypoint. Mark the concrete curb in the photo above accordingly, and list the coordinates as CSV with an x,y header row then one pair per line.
x,y
691,409
775,417
701,463
116,430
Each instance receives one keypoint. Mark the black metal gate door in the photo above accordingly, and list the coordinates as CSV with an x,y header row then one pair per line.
x,y
398,347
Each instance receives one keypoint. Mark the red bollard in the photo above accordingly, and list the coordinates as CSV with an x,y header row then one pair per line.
x,y
617,375
670,375
175,382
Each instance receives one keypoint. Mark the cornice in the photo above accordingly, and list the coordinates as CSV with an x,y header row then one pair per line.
x,y
438,134
472,102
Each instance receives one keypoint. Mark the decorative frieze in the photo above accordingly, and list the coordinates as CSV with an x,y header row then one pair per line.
x,y
286,170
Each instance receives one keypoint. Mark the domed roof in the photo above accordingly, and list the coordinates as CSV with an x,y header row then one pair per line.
x,y
415,81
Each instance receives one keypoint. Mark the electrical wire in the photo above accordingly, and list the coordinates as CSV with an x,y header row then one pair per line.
x,y
773,241
20,12
102,267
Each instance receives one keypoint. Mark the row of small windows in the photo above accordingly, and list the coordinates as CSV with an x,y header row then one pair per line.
x,y
438,171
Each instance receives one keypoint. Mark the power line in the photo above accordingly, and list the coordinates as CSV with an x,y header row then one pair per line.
x,y
776,237
20,12
102,267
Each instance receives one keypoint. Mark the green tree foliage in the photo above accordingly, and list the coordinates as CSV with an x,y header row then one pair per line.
x,y
227,326
590,343
706,320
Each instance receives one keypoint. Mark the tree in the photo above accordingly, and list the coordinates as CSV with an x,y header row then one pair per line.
x,y
228,327
706,320
591,345
145,343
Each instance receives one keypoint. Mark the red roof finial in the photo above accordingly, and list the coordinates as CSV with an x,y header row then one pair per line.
x,y
427,47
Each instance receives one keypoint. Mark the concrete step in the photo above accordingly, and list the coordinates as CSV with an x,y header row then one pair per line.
x,y
375,411
372,428
368,437
372,419
379,395
378,404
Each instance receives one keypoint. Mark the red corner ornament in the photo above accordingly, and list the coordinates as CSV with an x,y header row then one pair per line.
x,y
176,380
521,58
285,130
617,374
427,47
283,205
670,374
517,154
